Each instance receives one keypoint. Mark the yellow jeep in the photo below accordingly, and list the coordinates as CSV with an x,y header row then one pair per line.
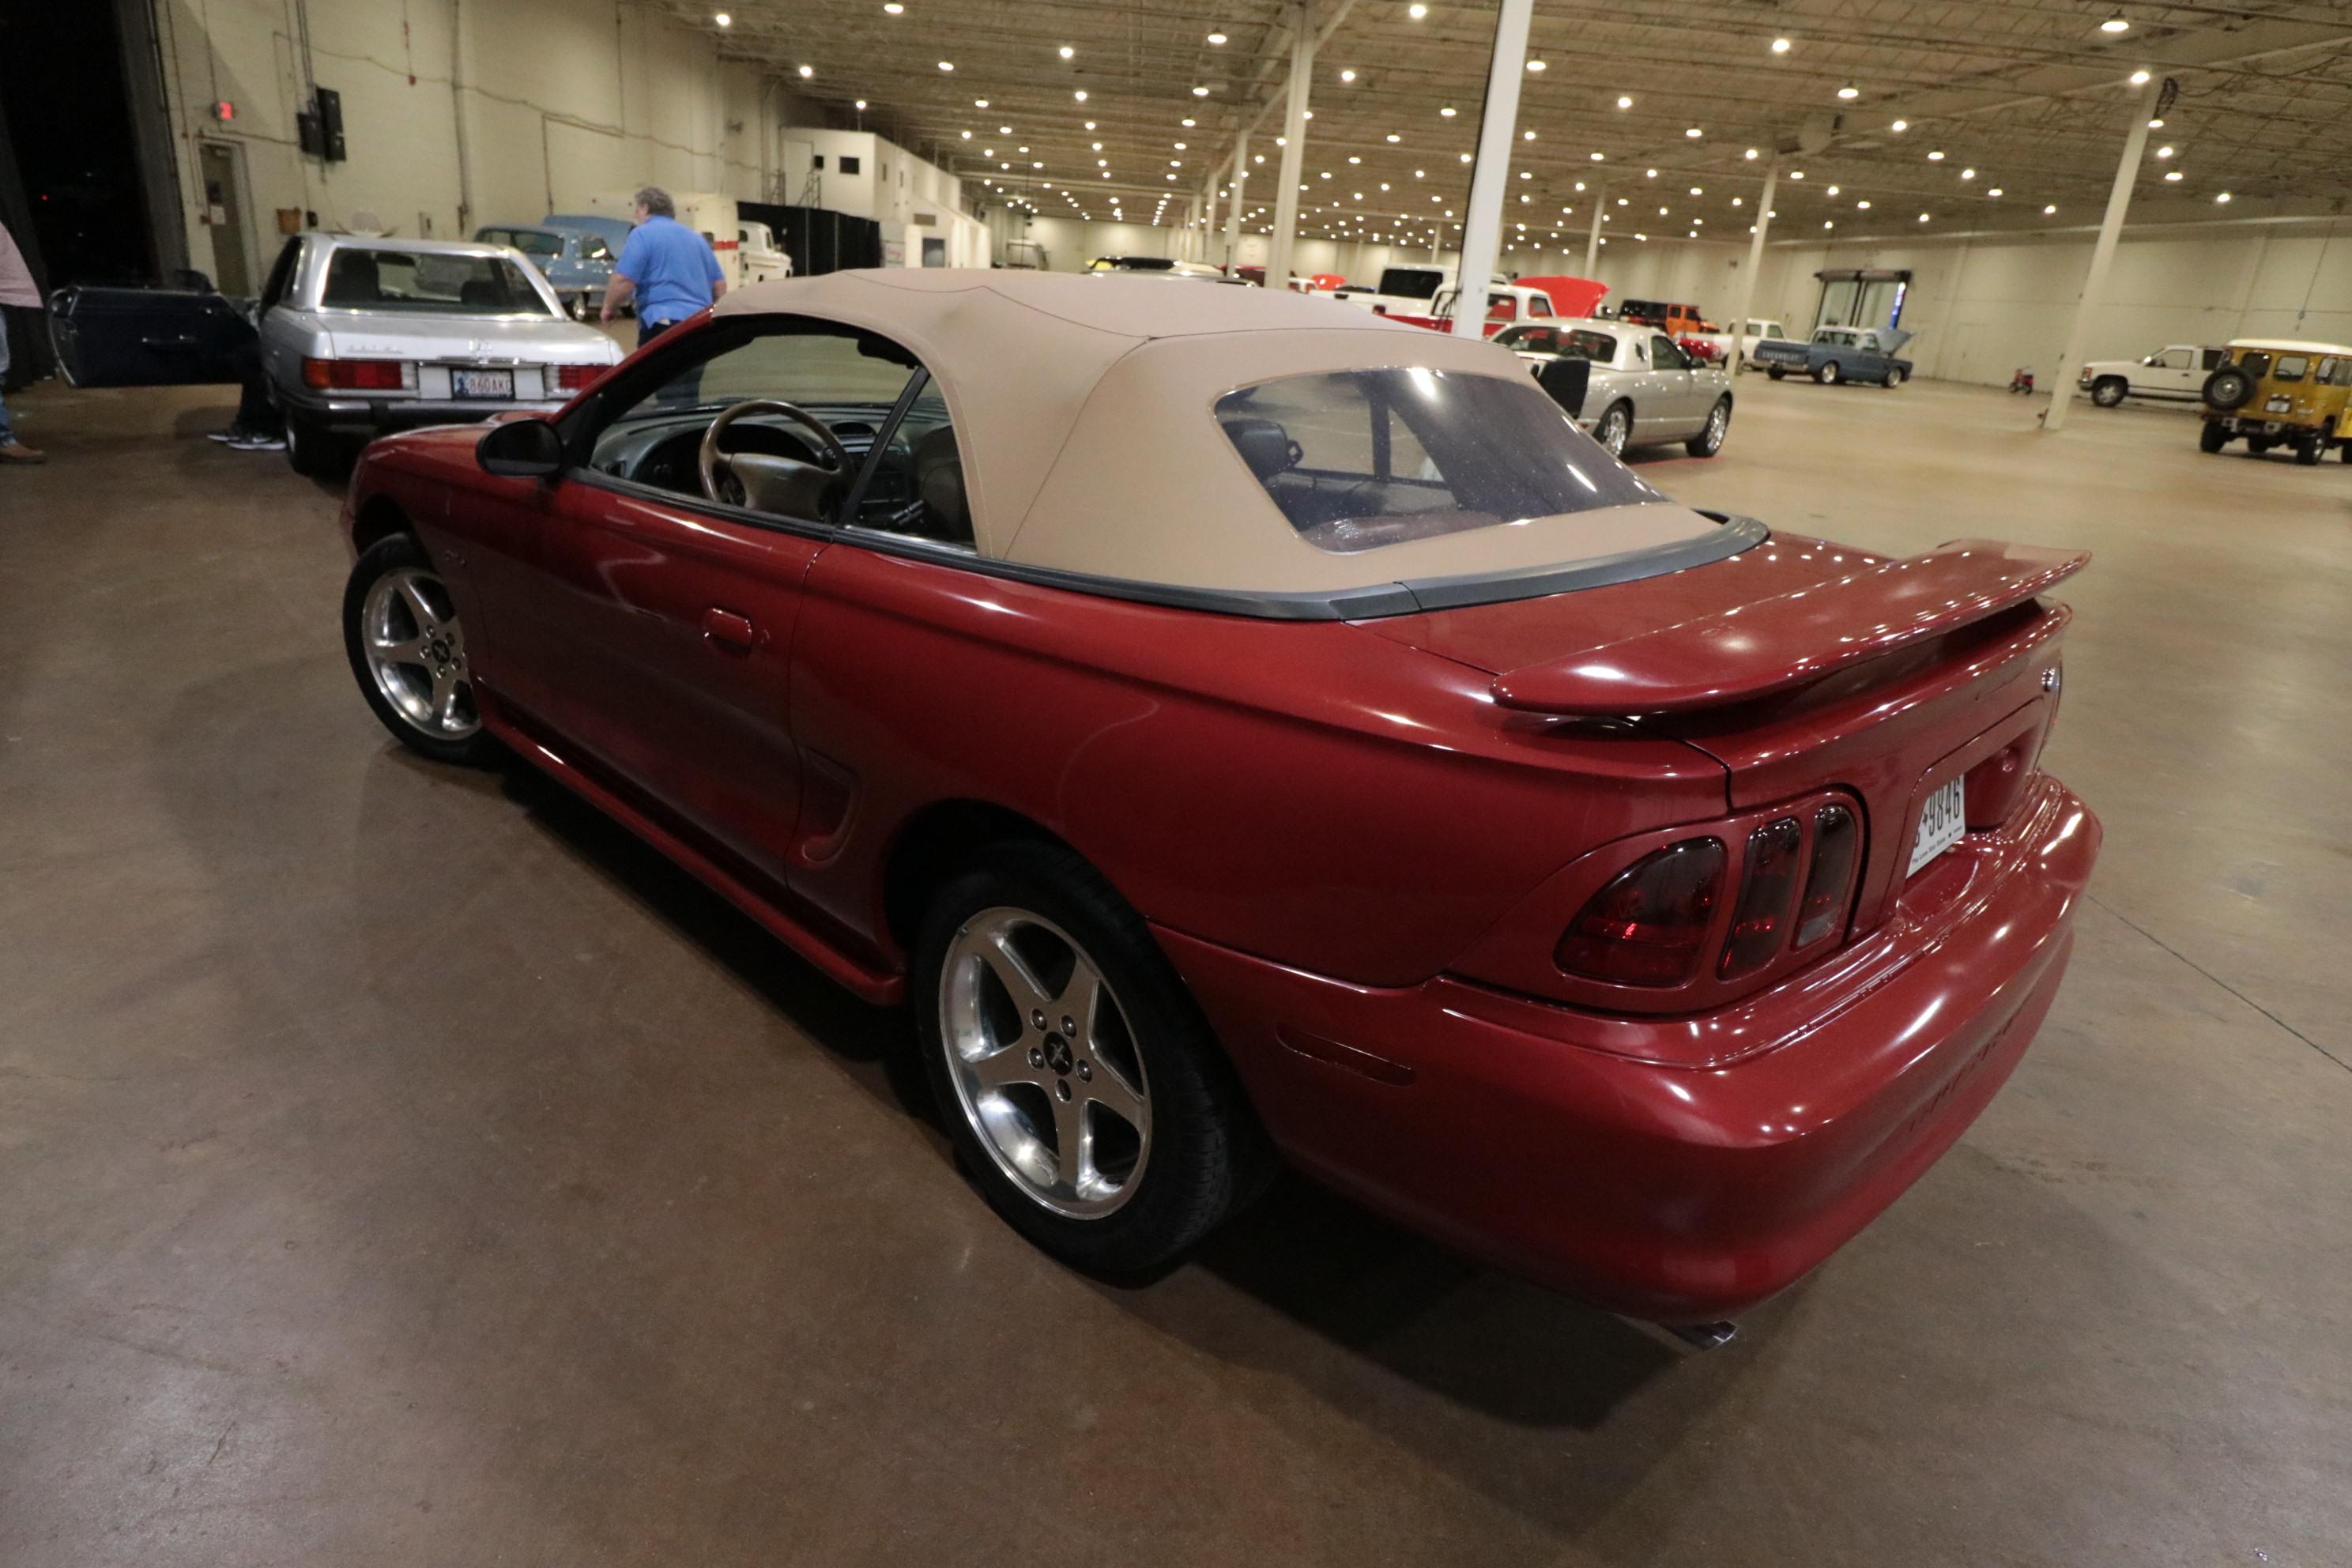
x,y
2276,392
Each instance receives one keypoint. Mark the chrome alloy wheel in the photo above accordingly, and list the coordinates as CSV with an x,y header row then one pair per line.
x,y
416,652
1717,424
1615,428
1044,1065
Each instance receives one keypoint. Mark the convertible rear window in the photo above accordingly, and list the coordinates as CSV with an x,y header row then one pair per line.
x,y
429,282
1356,459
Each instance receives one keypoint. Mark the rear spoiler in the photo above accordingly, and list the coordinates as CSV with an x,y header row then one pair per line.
x,y
1753,650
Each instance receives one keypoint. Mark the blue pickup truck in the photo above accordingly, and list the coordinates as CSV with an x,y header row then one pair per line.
x,y
1840,354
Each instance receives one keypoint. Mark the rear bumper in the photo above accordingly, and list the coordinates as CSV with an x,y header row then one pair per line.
x,y
1680,1194
364,418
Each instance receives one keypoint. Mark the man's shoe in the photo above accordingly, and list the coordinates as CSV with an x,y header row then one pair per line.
x,y
234,433
257,442
18,452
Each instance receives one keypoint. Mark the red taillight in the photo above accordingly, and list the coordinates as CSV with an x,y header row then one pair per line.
x,y
572,377
1830,880
1760,927
355,375
1649,925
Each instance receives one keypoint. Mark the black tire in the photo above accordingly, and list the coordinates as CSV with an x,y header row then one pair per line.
x,y
402,553
1777,371
1827,372
2309,450
313,453
1614,429
2229,389
1206,1156
2109,390
1895,377
1710,440
2213,438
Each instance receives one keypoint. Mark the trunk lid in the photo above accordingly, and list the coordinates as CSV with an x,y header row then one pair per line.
x,y
1800,666
462,340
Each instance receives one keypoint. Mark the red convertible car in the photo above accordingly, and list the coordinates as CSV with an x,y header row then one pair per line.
x,y
1240,730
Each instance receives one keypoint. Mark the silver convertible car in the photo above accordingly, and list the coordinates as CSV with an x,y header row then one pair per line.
x,y
357,337
1627,385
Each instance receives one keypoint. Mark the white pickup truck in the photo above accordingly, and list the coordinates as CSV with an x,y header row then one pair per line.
x,y
2175,374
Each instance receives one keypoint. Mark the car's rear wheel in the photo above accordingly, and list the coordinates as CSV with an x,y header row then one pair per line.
x,y
2109,390
2213,438
1776,371
312,452
1827,372
1616,428
1893,375
1710,440
2309,450
407,650
1077,1077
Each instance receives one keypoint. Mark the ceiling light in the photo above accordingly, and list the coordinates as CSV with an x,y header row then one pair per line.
x,y
2119,23
967,135
1696,191
1200,92
1779,45
1416,12
1935,156
807,71
1829,223
723,19
1849,93
1448,111
1534,65
2051,209
1861,207
1600,157
1900,125
1080,95
2156,125
1750,153
1834,190
1796,174
2164,151
861,104
977,103
2139,79
1465,157
1624,102
1348,75
1067,52
1394,137
2222,197
948,65
1649,173
2173,174
1994,192
893,9
1923,217
1004,131
1090,125
1968,174
1693,131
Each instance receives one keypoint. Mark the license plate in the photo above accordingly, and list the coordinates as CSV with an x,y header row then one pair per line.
x,y
482,383
1941,822
2276,405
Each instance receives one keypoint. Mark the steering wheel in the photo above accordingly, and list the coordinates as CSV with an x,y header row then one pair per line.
x,y
766,483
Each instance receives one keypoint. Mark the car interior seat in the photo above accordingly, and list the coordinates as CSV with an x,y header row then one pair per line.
x,y
938,482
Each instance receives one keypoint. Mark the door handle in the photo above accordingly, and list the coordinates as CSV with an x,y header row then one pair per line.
x,y
728,627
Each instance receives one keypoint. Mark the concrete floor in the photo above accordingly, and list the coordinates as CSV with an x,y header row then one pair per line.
x,y
402,1166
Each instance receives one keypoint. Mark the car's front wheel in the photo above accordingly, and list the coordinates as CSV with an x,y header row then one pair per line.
x,y
1077,1077
1616,428
1710,440
1776,372
407,649
2109,390
1827,372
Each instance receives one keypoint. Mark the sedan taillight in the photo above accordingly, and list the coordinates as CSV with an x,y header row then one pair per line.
x,y
1649,926
356,374
1760,927
575,377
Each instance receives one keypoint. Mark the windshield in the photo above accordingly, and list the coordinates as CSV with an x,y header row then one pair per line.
x,y
429,282
1358,459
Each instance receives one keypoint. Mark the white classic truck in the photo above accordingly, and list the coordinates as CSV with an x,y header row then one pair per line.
x,y
2174,373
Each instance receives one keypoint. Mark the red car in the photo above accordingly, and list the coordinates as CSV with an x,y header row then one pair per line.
x,y
1241,727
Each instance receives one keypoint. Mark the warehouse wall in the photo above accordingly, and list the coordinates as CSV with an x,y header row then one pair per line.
x,y
460,113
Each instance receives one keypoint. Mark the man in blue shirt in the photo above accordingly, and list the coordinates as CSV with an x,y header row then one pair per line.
x,y
667,268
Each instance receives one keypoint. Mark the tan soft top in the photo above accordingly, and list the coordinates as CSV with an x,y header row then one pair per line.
x,y
1084,409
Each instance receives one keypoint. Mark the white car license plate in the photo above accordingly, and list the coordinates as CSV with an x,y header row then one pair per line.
x,y
482,383
1941,822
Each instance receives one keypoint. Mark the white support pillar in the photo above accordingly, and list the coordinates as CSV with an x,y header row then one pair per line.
x,y
1293,148
1207,224
2094,285
1592,232
1234,200
1755,264
1490,177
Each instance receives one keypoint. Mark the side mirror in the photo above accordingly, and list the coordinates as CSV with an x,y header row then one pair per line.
x,y
520,449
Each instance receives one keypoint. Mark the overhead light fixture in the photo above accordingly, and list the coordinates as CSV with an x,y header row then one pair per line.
x,y
1796,174
1968,174
1923,217
1779,45
1200,92
2119,23
807,71
861,106
1348,75
1067,52
1446,112
1750,154
1216,37
1849,91
2156,125
2224,197
2139,79
2049,209
893,9
1534,65
1900,126
1080,95
1624,102
1935,155
947,65
1416,12
1994,192
2172,174
977,103
1527,135
1861,207
1394,137
723,19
